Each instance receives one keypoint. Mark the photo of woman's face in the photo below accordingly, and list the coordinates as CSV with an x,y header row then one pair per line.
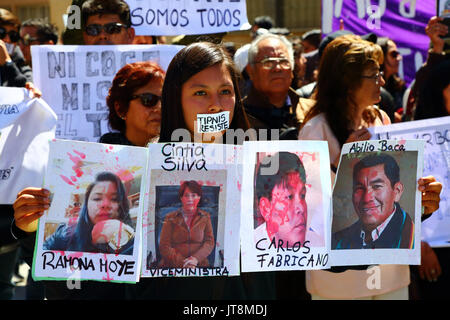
x,y
103,203
190,200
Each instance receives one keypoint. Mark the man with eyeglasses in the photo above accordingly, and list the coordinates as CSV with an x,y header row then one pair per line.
x,y
106,22
36,32
271,102
13,70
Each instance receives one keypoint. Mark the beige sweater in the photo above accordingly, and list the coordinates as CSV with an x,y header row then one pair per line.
x,y
350,284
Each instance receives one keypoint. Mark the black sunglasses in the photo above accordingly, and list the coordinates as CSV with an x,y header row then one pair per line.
x,y
110,28
394,54
147,99
14,36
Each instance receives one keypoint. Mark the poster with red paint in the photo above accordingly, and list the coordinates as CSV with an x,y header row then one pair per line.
x,y
92,230
286,205
377,204
192,211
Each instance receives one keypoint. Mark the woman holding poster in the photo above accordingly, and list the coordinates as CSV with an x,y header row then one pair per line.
x,y
202,81
187,236
348,87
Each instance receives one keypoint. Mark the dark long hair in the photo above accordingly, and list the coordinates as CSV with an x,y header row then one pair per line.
x,y
128,79
394,83
341,66
431,102
186,63
82,238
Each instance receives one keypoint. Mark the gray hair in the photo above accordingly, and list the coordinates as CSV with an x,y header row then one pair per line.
x,y
253,50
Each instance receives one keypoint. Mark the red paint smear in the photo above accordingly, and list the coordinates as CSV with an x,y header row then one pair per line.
x,y
73,179
66,180
210,183
311,154
125,175
111,147
239,186
80,154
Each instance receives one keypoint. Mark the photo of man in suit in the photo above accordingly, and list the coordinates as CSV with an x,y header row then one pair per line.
x,y
382,222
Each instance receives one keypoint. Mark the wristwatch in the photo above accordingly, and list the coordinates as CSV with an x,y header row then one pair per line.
x,y
116,242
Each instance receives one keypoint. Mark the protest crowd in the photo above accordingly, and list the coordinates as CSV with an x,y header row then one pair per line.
x,y
312,87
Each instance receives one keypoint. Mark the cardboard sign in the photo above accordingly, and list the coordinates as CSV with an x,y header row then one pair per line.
x,y
75,81
192,213
92,230
377,204
286,195
177,17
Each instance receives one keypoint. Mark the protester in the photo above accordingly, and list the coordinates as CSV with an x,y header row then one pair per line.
x,y
430,279
434,98
393,83
264,22
435,30
134,95
347,88
36,32
134,103
208,84
271,101
300,65
13,70
311,40
106,22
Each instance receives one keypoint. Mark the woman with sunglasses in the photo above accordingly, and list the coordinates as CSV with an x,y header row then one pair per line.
x,y
134,103
13,70
390,66
348,87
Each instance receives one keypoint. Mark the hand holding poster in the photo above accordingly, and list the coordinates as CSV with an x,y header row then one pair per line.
x,y
75,81
286,211
195,185
376,203
176,17
436,133
92,229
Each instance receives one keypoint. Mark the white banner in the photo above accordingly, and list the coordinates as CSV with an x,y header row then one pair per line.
x,y
181,17
75,80
26,130
436,133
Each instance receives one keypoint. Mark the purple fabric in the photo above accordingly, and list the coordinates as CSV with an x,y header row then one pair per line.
x,y
407,33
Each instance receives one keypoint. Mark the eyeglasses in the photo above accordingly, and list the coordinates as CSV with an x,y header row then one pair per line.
x,y
27,40
375,77
110,28
394,54
147,99
14,36
270,63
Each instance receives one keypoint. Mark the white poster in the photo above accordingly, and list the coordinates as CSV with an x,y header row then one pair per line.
x,y
377,204
192,212
26,126
436,133
286,206
92,230
184,17
75,81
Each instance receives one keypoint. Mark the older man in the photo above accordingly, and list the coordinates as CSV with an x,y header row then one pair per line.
x,y
271,102
106,22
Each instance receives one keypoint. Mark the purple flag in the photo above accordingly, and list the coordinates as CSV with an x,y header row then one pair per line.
x,y
403,21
